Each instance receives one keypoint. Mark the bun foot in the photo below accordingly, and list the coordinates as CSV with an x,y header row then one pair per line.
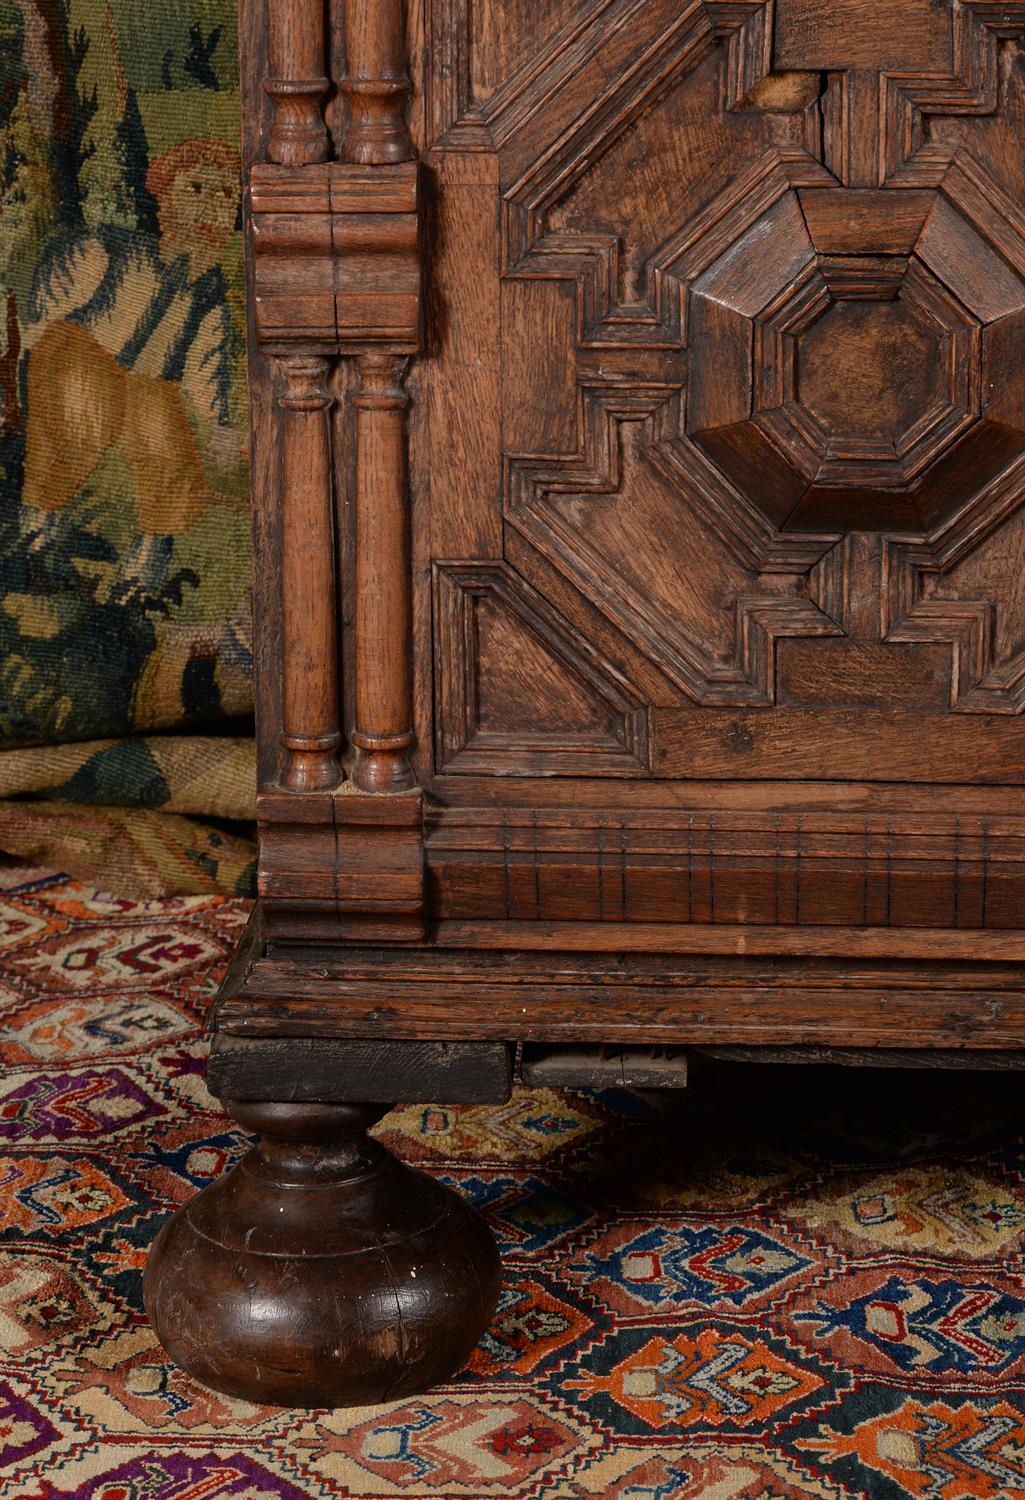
x,y
321,1271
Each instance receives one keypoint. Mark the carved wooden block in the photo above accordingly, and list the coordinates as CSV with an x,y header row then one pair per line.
x,y
547,1066
341,867
839,368
321,1069
335,257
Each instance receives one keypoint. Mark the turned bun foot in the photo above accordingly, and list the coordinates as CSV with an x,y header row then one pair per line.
x,y
321,1271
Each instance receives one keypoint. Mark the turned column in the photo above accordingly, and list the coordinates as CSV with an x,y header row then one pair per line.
x,y
336,275
375,88
297,82
309,708
310,716
375,83
382,733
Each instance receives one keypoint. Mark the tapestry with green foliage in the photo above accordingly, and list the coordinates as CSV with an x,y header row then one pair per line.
x,y
125,638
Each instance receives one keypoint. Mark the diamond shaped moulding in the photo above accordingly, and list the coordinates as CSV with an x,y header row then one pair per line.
x,y
853,359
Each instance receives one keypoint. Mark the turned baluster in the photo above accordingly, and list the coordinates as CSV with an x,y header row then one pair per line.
x,y
298,137
301,286
375,85
309,711
382,734
297,82
321,1271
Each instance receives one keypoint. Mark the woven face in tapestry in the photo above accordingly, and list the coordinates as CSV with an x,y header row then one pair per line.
x,y
124,528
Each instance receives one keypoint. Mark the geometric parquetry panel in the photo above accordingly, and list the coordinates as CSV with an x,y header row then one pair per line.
x,y
811,336
624,521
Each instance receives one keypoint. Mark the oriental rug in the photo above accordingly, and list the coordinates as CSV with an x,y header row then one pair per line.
x,y
783,1282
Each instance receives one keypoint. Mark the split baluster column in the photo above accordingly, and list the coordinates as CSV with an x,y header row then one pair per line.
x,y
297,82
382,733
298,140
310,733
336,273
375,88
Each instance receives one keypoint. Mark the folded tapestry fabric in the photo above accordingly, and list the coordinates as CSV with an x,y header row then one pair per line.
x,y
124,528
136,812
131,849
196,774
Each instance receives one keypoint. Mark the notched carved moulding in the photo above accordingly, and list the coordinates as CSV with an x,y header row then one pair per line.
x,y
523,692
336,266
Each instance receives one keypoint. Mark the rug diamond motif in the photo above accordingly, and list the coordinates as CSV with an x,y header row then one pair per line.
x,y
70,1106
534,1124
713,1378
935,1450
933,1326
20,925
126,1382
41,1303
444,1447
531,1324
77,1029
923,1208
697,1471
55,1194
704,1265
90,958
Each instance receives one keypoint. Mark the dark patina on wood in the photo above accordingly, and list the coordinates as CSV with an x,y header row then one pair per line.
x,y
321,1269
311,1069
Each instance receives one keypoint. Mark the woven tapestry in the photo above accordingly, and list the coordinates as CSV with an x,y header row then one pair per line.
x,y
125,639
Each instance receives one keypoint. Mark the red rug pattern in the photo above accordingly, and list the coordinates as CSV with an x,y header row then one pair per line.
x,y
782,1282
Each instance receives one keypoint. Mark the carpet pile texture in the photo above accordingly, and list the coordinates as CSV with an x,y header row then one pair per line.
x,y
780,1283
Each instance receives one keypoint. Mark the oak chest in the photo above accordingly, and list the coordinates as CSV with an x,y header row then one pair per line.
x,y
638,404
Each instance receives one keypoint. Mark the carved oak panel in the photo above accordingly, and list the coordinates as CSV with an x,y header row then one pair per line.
x,y
751,415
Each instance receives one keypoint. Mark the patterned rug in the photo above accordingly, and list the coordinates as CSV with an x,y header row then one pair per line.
x,y
782,1282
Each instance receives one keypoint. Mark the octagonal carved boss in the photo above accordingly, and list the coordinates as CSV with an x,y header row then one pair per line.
x,y
852,361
